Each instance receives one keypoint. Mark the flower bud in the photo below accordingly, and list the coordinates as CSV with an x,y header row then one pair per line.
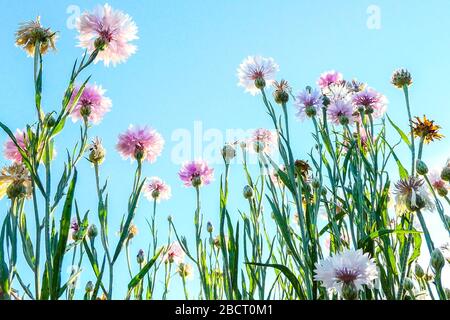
x,y
92,231
280,96
169,218
140,258
315,183
419,271
445,174
422,168
409,284
401,78
349,291
228,152
442,191
209,227
247,192
437,260
243,144
49,120
89,286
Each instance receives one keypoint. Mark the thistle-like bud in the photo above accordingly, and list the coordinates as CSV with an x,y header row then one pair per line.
x,y
409,284
89,287
49,120
209,227
92,231
401,78
422,168
228,152
315,183
437,260
419,271
445,174
247,192
96,151
140,257
16,190
349,291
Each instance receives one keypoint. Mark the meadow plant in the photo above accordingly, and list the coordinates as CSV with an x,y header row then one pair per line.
x,y
315,226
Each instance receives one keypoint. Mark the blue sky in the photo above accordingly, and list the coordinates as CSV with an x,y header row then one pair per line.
x,y
185,71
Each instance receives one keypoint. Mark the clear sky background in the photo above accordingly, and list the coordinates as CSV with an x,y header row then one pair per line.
x,y
185,71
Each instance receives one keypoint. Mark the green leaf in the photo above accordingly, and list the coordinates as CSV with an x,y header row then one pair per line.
x,y
400,132
63,236
137,278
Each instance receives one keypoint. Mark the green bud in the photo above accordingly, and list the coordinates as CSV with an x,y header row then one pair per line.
x,y
419,271
247,192
228,152
422,168
260,83
209,227
409,284
89,286
344,120
49,120
445,174
92,231
437,260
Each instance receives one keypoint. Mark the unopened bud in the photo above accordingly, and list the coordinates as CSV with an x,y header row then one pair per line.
x,y
89,286
437,260
209,227
92,231
228,152
409,284
140,258
445,174
419,271
422,168
247,192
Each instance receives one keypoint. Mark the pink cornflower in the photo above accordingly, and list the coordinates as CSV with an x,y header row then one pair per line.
x,y
11,152
174,253
157,189
92,104
340,112
263,140
442,187
259,69
309,103
329,77
140,143
108,30
371,101
196,173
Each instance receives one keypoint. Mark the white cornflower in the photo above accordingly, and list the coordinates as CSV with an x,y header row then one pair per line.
x,y
255,72
350,267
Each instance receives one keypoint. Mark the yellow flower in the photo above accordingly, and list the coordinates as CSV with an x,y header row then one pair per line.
x,y
32,31
426,129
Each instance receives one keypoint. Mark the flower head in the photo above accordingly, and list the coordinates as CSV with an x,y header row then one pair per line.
x,y
15,181
371,101
96,151
108,30
156,189
328,78
411,195
349,267
173,253
263,140
132,231
440,185
401,78
91,105
185,270
140,143
282,91
255,72
309,103
426,129
30,32
196,173
11,152
340,112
